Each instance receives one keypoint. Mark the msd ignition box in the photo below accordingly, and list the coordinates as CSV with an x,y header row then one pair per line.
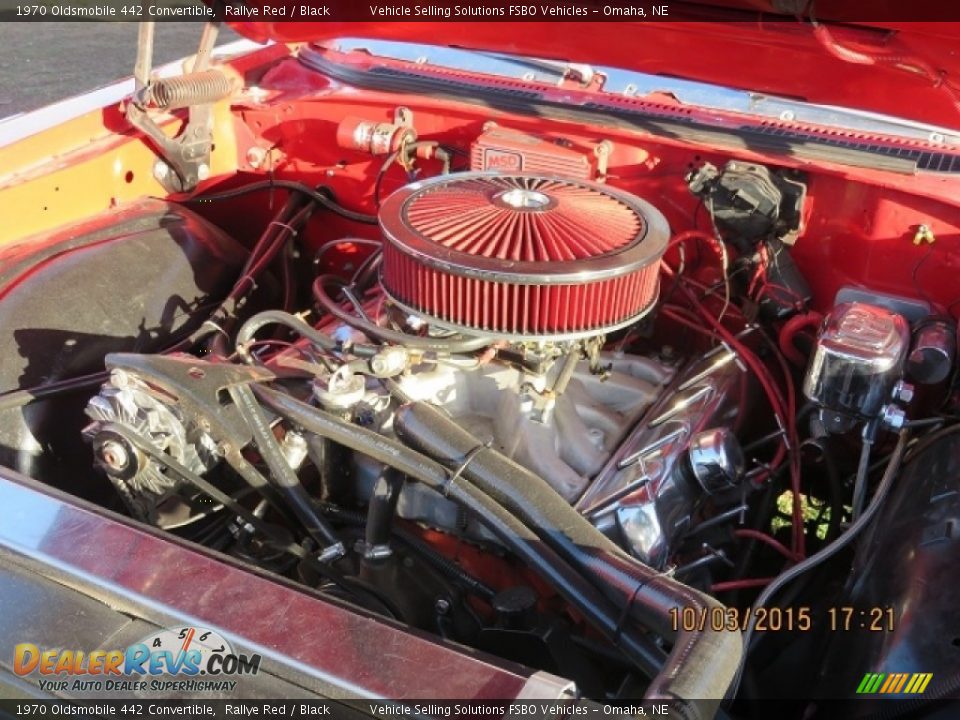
x,y
510,151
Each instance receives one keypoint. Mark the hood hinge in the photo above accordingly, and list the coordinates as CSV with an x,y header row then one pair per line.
x,y
184,160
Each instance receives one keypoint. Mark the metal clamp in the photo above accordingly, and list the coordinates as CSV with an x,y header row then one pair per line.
x,y
467,459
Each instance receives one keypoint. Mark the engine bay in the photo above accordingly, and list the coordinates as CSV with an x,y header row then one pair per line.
x,y
626,408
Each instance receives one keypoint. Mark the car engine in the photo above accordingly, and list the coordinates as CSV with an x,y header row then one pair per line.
x,y
517,407
478,328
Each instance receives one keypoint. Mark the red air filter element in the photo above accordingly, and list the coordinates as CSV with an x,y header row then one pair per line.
x,y
521,256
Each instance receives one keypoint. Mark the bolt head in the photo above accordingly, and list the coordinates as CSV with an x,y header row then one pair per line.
x,y
114,455
893,417
903,391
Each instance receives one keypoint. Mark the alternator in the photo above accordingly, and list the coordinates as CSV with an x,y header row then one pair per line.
x,y
148,491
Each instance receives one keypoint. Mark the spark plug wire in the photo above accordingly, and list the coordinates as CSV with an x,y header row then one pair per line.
x,y
781,410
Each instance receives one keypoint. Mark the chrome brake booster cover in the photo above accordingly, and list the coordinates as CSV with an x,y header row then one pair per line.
x,y
858,359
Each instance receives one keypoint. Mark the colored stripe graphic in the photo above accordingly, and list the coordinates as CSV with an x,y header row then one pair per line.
x,y
918,683
894,683
867,684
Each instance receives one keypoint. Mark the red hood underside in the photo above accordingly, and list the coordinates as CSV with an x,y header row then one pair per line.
x,y
905,69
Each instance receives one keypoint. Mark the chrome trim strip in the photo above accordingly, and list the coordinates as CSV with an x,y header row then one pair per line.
x,y
627,83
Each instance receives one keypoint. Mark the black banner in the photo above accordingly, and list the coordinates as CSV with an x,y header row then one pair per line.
x,y
466,709
274,11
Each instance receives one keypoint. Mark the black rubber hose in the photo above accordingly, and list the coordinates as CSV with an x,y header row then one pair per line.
x,y
282,476
253,325
382,508
702,663
374,331
322,196
860,484
834,484
597,610
21,398
366,274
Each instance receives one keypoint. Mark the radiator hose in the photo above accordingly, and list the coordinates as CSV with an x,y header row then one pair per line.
x,y
512,533
702,663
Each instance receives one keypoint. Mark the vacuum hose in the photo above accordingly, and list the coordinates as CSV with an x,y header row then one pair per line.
x,y
701,664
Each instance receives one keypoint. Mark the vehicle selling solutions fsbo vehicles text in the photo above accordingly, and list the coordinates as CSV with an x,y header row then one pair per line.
x,y
479,10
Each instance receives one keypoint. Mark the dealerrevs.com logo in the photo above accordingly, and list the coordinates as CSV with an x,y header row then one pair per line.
x,y
185,659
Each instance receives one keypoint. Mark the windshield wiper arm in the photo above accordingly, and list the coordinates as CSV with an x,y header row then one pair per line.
x,y
580,72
